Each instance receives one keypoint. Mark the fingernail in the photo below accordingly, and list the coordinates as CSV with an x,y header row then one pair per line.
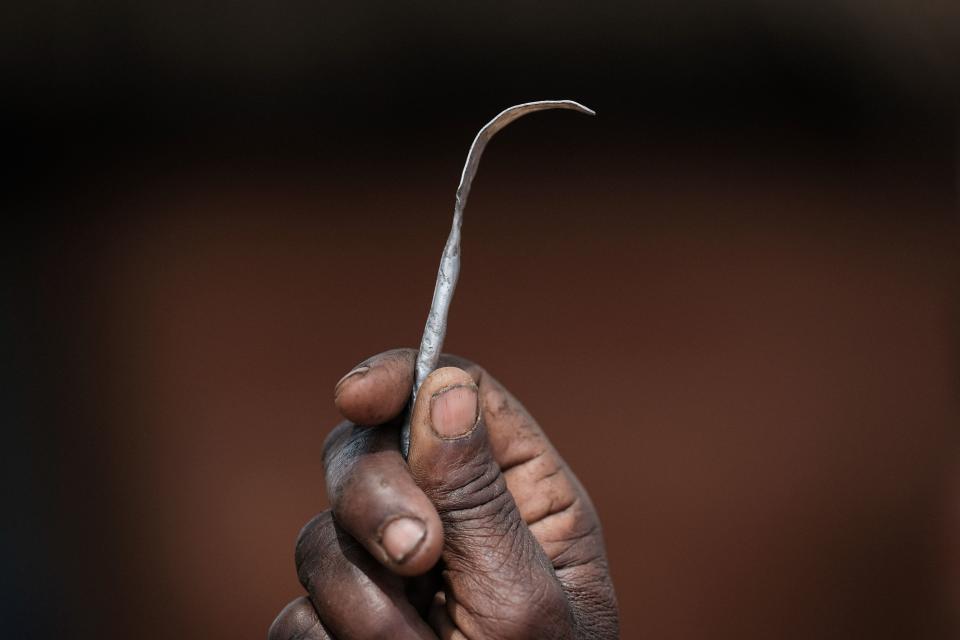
x,y
454,411
356,372
402,537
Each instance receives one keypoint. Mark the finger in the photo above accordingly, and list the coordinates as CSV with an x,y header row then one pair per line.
x,y
377,389
298,621
376,501
352,593
499,579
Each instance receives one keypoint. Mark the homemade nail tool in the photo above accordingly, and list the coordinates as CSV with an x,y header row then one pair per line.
x,y
436,328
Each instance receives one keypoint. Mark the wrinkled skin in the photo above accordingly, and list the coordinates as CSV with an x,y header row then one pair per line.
x,y
500,540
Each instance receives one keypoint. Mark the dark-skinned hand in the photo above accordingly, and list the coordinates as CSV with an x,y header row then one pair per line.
x,y
483,532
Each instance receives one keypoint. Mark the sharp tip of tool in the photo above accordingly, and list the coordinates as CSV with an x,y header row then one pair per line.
x,y
580,107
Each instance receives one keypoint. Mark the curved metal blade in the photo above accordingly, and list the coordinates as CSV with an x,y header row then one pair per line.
x,y
436,328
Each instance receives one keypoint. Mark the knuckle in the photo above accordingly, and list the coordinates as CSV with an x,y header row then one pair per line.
x,y
475,489
484,515
541,486
340,464
350,494
324,550
359,473
314,543
334,440
296,620
313,529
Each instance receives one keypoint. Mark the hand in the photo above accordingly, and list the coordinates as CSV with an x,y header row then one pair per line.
x,y
484,532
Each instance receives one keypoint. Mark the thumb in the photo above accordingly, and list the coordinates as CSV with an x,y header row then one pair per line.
x,y
499,581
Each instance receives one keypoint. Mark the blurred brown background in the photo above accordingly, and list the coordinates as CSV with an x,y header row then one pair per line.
x,y
730,298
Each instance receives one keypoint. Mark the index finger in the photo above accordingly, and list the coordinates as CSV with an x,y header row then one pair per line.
x,y
376,390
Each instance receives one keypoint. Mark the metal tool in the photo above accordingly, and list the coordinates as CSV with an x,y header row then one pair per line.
x,y
436,328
